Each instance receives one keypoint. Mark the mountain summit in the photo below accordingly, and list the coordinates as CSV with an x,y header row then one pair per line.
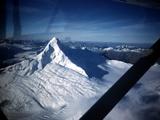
x,y
49,82
52,86
53,54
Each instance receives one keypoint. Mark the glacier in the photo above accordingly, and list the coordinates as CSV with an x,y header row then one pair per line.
x,y
53,87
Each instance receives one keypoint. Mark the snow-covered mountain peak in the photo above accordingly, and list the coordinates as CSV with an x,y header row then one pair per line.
x,y
54,41
50,81
50,53
53,54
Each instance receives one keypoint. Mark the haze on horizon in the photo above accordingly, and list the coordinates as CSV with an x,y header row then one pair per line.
x,y
86,20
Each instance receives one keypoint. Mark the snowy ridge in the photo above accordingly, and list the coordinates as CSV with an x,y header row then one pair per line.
x,y
51,87
52,53
49,81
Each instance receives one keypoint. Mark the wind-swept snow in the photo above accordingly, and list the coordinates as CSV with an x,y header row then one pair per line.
x,y
52,53
52,87
49,81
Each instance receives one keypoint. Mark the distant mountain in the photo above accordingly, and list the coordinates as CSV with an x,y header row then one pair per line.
x,y
124,53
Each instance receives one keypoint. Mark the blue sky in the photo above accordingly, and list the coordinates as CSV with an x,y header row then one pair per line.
x,y
87,20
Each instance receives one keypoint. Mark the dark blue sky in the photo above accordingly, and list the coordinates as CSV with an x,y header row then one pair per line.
x,y
87,20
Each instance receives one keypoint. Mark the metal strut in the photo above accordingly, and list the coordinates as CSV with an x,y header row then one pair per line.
x,y
107,102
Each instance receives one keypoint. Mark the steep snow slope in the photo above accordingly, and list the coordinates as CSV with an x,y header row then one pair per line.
x,y
51,54
51,87
49,81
